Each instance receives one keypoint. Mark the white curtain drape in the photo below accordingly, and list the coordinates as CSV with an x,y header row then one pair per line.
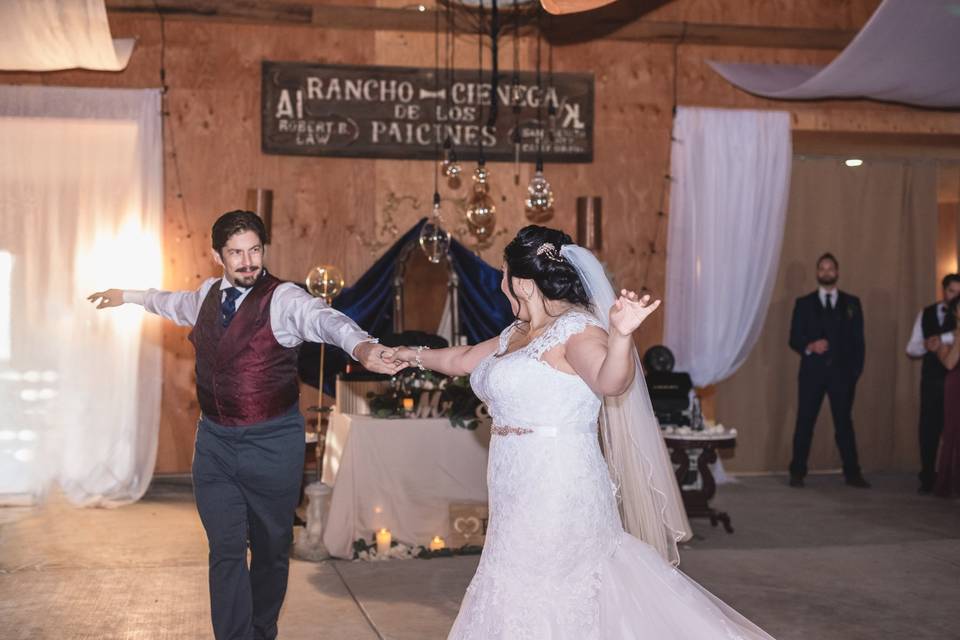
x,y
81,205
49,35
728,204
907,52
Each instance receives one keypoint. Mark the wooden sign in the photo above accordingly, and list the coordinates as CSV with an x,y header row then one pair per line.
x,y
401,112
468,524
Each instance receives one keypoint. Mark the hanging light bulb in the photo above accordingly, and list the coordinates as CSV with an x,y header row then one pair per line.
x,y
481,212
451,167
538,204
434,239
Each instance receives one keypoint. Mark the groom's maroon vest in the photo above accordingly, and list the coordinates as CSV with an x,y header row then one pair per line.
x,y
244,375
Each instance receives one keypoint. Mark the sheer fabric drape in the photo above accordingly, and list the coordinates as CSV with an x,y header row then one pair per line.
x,y
48,35
728,204
81,204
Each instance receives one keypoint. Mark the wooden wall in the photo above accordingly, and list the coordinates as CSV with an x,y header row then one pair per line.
x,y
212,145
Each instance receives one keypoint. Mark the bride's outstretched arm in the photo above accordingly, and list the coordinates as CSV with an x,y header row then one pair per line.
x,y
452,361
605,361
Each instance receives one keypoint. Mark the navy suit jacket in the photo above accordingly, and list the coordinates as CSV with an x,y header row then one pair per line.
x,y
811,322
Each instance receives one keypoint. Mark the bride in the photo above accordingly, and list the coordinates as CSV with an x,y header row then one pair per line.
x,y
559,560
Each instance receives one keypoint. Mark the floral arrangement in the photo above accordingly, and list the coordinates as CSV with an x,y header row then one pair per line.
x,y
446,396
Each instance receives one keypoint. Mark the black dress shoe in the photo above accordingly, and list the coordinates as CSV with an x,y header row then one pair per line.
x,y
859,482
925,489
796,481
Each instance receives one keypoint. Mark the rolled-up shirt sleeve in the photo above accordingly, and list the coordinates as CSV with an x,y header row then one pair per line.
x,y
916,348
296,316
182,307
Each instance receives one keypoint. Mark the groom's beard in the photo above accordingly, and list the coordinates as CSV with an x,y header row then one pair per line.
x,y
246,276
827,281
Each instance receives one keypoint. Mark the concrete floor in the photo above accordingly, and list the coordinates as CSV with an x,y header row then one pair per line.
x,y
823,563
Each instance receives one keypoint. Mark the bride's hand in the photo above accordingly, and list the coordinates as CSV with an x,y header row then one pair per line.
x,y
629,311
405,354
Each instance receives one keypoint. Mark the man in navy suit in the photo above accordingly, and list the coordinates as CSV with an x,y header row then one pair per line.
x,y
827,332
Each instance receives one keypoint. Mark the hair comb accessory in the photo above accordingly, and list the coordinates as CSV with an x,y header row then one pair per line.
x,y
549,250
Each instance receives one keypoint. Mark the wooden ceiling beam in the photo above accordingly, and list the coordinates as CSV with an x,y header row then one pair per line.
x,y
613,24
941,147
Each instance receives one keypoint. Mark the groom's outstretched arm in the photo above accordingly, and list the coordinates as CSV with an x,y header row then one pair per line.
x,y
182,307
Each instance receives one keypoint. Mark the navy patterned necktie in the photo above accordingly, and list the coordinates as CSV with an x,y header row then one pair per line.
x,y
228,307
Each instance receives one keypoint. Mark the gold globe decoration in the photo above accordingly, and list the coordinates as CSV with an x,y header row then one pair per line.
x,y
481,213
325,281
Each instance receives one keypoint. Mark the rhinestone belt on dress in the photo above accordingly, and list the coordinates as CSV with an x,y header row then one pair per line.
x,y
506,431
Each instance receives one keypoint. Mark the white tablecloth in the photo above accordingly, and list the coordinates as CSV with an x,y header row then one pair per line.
x,y
400,475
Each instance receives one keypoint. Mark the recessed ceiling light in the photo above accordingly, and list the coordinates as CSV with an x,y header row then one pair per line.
x,y
853,162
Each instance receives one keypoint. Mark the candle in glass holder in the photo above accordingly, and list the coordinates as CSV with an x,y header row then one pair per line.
x,y
437,543
383,541
408,405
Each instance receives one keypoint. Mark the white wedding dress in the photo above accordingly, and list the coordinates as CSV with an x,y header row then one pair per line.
x,y
557,563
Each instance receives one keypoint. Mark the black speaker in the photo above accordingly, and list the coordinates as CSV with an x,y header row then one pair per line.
x,y
669,390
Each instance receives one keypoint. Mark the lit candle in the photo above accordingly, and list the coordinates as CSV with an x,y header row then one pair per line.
x,y
408,404
383,541
437,543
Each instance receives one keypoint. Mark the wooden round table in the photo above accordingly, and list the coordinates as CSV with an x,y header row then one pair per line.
x,y
700,446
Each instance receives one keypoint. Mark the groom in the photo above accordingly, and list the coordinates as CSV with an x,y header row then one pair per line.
x,y
248,461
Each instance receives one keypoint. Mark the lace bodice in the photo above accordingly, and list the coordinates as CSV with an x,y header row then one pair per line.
x,y
522,390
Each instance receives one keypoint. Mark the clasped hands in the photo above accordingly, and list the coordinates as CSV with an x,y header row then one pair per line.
x,y
379,358
819,347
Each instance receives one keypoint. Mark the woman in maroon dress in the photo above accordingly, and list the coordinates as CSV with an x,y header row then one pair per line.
x,y
948,464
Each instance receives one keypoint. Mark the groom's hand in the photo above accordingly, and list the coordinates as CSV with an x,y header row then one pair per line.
x,y
378,358
108,298
819,347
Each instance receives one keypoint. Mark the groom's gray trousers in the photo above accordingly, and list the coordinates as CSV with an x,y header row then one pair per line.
x,y
247,484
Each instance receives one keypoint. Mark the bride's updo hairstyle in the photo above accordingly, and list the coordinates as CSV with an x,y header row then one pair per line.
x,y
535,255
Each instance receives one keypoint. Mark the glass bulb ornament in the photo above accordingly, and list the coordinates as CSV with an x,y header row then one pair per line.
x,y
451,168
325,281
481,212
434,239
538,204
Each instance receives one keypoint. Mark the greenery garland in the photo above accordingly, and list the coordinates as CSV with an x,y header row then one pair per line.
x,y
457,401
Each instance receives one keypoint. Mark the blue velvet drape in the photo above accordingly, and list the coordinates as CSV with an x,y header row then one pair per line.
x,y
484,310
